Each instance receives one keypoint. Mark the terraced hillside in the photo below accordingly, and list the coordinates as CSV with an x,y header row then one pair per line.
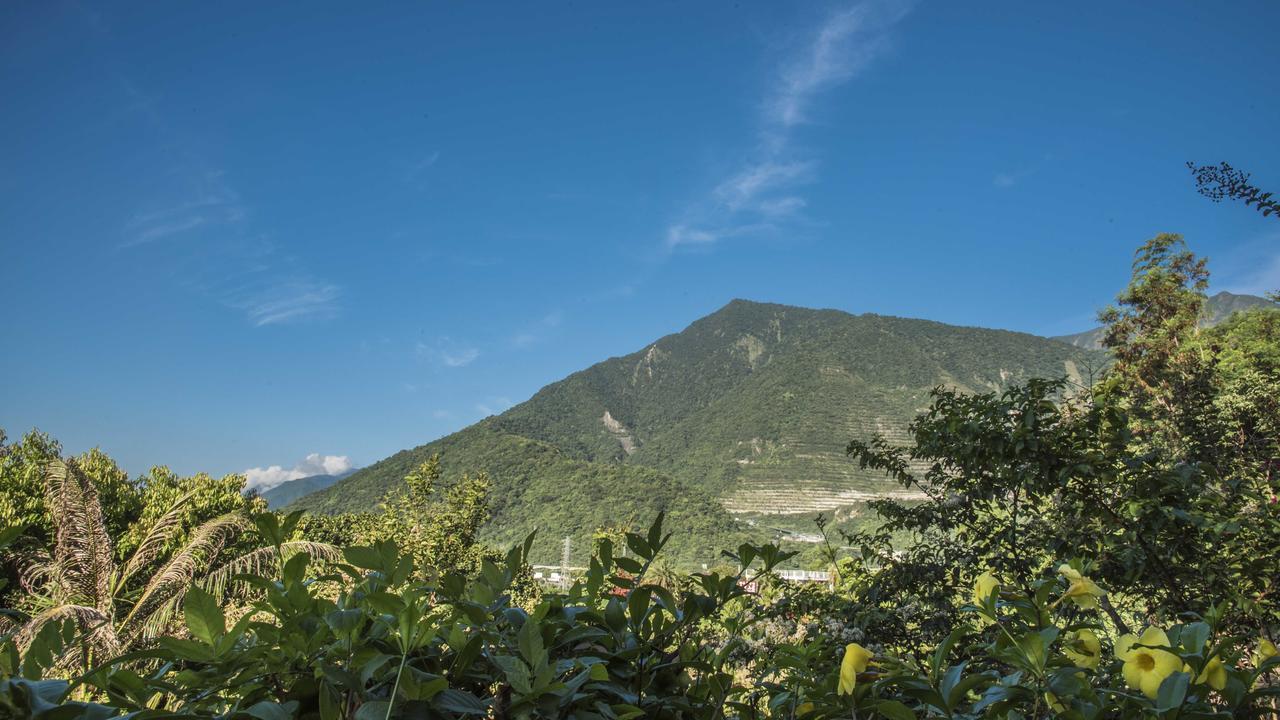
x,y
751,406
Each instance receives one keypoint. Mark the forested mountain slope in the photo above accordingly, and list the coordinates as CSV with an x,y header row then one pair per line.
x,y
747,409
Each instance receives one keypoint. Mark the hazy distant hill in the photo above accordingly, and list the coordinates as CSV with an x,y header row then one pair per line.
x,y
1218,308
287,492
747,410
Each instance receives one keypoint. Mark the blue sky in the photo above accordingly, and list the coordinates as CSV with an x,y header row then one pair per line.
x,y
235,234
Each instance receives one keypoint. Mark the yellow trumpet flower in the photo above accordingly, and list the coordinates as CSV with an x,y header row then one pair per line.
x,y
1214,674
1084,648
1145,668
983,586
856,659
1082,591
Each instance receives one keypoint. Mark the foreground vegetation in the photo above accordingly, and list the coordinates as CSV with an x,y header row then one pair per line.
x,y
1083,551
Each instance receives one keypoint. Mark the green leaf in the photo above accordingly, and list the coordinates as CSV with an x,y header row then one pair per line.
x,y
1172,691
203,616
895,710
366,558
1194,637
376,710
530,642
267,710
463,703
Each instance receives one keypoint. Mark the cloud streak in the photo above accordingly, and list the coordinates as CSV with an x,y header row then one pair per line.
x,y
762,195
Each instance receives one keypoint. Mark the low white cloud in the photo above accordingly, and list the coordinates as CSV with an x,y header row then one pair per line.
x,y
260,478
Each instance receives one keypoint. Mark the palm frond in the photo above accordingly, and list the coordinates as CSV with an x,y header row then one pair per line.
x,y
36,571
169,584
82,552
263,561
97,636
163,530
219,582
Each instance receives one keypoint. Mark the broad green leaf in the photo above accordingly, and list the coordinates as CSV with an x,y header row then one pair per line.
x,y
203,615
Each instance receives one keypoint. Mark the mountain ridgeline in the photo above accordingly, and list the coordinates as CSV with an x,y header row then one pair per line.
x,y
747,411
290,490
1217,308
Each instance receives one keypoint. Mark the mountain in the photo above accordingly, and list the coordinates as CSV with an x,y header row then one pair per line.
x,y
745,412
1217,308
286,492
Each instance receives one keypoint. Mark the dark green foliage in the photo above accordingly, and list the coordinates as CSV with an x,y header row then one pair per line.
x,y
613,647
1163,475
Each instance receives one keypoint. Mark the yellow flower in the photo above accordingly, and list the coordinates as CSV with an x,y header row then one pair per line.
x,y
1145,668
1083,648
983,586
1266,649
1082,591
1214,674
855,661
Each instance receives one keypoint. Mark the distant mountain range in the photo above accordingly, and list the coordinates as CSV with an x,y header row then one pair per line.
x,y
289,491
1218,308
744,413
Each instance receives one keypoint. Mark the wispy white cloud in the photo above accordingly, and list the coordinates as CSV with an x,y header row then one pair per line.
x,y
416,169
447,352
265,478
289,300
681,234
214,204
535,332
461,358
1004,180
743,189
235,263
163,230
1252,268
782,207
493,406
844,45
762,193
